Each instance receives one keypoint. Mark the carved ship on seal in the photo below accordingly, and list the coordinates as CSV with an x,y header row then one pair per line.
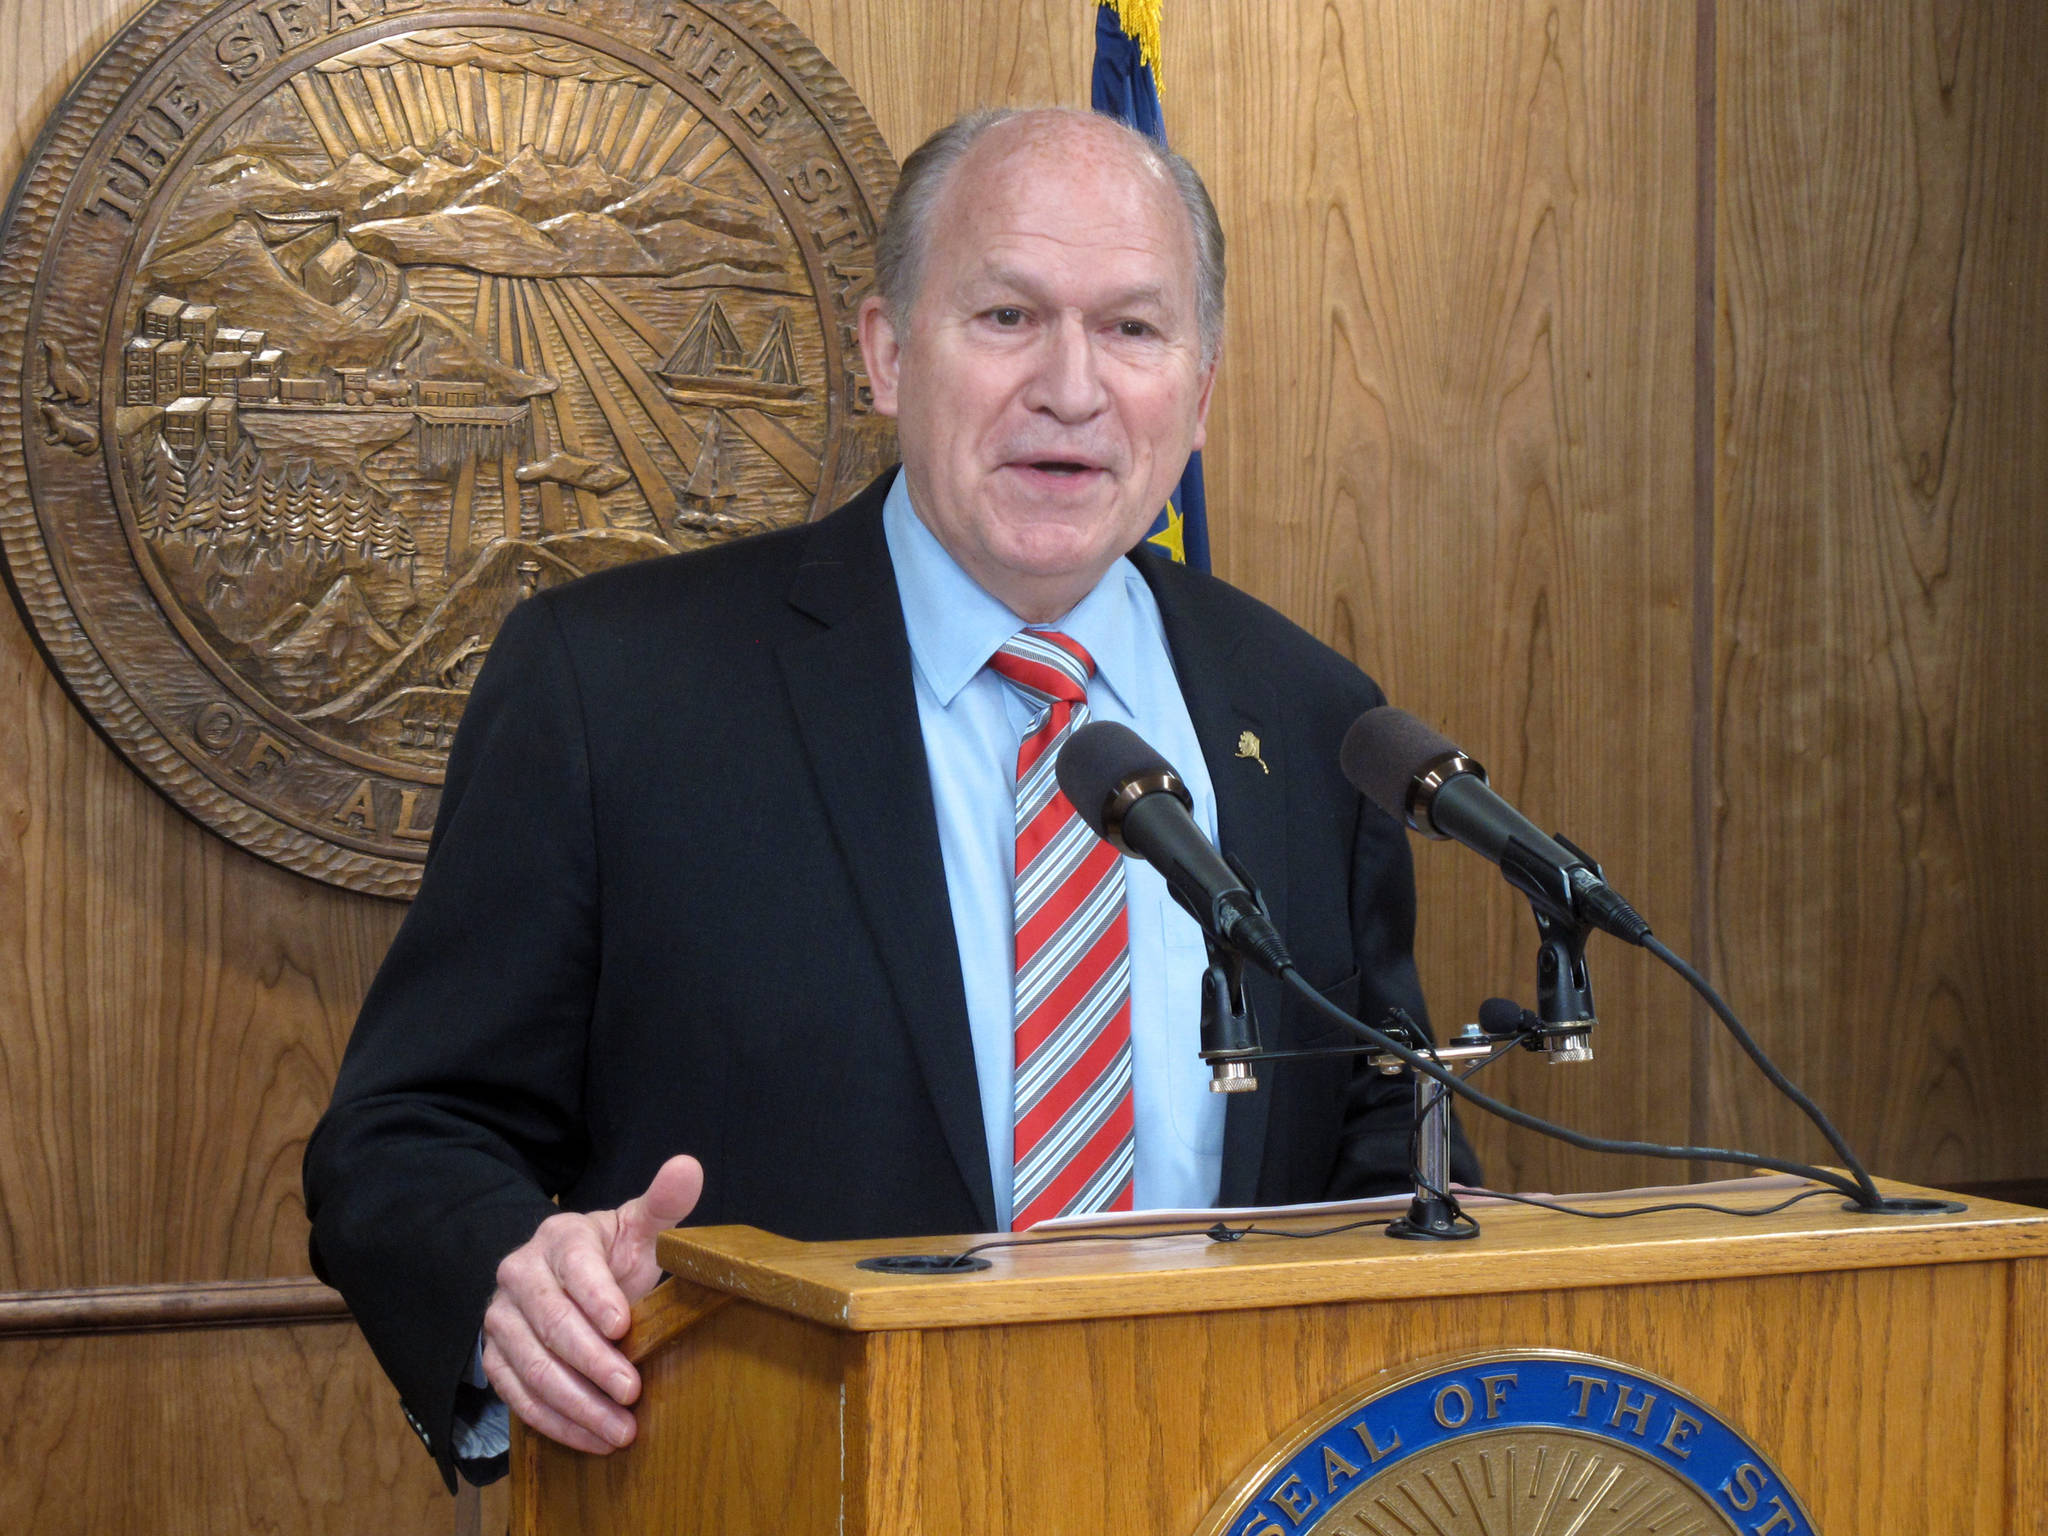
x,y
709,367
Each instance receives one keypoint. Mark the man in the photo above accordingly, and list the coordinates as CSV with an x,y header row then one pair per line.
x,y
719,916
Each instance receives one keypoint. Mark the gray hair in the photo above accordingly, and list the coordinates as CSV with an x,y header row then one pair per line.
x,y
899,252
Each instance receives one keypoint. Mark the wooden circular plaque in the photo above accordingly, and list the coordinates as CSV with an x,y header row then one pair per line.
x,y
331,329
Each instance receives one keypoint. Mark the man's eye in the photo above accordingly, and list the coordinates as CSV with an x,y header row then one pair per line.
x,y
1133,328
1007,315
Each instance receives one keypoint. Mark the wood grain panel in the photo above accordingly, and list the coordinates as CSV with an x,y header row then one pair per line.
x,y
1090,1420
1451,437
1519,1248
134,1435
1880,784
918,64
747,1405
1923,1454
183,1017
2026,1348
144,1308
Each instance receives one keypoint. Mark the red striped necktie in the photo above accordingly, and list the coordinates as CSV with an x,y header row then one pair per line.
x,y
1073,1148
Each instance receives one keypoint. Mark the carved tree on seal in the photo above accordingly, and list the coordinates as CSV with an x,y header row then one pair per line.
x,y
419,324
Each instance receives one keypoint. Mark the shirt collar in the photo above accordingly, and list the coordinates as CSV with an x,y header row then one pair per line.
x,y
955,625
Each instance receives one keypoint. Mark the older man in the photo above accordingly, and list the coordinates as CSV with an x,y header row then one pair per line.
x,y
725,916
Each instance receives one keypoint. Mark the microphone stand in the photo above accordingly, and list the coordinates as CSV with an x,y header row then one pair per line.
x,y
1433,1215
1561,1028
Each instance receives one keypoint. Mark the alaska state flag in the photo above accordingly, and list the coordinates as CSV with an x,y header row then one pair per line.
x,y
1126,87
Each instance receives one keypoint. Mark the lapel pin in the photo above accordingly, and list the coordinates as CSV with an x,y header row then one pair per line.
x,y
1248,746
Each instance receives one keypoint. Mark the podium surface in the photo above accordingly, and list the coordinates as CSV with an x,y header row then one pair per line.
x,y
1890,1367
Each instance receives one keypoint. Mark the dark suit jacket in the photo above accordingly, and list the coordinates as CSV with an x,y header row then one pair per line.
x,y
686,894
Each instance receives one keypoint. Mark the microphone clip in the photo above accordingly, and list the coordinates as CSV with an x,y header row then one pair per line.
x,y
1564,987
1230,1033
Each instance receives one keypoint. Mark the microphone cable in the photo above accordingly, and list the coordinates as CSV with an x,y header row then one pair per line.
x,y
1860,1190
1867,1187
1438,1093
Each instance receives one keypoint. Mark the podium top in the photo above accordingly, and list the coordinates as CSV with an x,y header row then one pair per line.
x,y
1520,1248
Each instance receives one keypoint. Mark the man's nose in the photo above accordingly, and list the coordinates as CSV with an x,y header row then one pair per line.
x,y
1068,382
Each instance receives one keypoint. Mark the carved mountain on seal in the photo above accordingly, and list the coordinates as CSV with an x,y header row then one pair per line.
x,y
449,170
337,640
669,198
236,270
353,182
448,646
494,240
252,182
532,188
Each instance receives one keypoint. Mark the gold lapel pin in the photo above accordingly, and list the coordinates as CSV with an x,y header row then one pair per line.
x,y
1248,746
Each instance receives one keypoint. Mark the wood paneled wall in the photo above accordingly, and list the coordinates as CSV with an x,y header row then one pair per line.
x,y
1879,724
1651,394
1453,439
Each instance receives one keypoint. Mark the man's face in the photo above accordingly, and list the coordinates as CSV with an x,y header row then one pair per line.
x,y
1049,385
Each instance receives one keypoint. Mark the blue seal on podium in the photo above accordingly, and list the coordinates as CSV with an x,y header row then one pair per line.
x,y
1538,1442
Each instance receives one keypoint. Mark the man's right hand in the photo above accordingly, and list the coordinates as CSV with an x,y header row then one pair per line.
x,y
564,1296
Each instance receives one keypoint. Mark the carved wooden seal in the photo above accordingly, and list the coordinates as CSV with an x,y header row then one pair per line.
x,y
336,327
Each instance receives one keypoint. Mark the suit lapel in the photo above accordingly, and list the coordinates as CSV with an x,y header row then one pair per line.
x,y
851,690
1229,696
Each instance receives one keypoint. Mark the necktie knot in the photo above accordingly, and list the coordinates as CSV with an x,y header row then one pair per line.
x,y
1045,666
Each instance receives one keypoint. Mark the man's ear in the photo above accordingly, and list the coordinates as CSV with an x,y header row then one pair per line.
x,y
1202,403
882,351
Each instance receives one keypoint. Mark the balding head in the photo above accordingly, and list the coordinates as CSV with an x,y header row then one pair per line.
x,y
993,134
1038,337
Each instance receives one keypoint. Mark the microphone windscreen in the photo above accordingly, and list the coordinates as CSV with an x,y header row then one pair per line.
x,y
1503,1016
1384,751
1097,762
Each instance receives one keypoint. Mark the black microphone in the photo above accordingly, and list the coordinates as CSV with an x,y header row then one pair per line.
x,y
1134,801
1418,777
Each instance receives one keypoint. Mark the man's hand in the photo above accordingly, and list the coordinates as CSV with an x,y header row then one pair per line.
x,y
564,1296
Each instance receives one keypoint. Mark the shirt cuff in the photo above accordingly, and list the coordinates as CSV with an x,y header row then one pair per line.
x,y
483,1427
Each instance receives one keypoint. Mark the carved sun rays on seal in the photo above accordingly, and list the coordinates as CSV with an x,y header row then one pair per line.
x,y
640,446
1540,1483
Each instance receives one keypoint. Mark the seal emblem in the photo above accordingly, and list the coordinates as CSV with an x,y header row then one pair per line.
x,y
340,326
1539,1442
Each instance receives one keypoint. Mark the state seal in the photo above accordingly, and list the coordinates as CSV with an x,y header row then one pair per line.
x,y
333,328
1538,1442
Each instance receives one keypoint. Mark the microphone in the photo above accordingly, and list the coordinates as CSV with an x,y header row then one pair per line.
x,y
1132,799
1420,778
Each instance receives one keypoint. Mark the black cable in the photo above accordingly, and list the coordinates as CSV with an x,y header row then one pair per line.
x,y
1220,1232
1652,1210
1223,1232
1866,1187
1293,978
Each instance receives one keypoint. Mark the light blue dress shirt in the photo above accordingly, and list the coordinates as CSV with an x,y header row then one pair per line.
x,y
973,723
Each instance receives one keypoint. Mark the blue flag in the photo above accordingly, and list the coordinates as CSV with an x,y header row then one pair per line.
x,y
1126,86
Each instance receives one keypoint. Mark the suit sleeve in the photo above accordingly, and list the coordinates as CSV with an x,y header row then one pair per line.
x,y
457,1111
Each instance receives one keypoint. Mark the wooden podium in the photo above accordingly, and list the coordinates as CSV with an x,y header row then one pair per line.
x,y
1891,1367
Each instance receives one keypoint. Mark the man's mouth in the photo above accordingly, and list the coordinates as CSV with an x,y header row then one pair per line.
x,y
1062,466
